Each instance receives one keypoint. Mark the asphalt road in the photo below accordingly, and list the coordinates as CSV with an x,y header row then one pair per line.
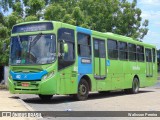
x,y
148,99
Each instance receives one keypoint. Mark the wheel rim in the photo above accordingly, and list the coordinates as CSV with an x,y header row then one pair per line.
x,y
136,86
82,89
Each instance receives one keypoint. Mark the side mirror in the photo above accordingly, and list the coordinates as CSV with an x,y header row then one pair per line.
x,y
4,46
65,47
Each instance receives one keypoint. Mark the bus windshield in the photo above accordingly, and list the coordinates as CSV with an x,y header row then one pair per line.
x,y
33,49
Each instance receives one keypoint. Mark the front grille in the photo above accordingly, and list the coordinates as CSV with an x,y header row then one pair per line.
x,y
33,85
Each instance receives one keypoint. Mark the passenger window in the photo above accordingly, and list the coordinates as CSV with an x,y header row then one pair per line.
x,y
99,48
140,53
132,51
84,45
112,49
102,49
154,55
148,55
123,50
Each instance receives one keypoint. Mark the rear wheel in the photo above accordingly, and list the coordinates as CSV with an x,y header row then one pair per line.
x,y
83,90
45,97
135,87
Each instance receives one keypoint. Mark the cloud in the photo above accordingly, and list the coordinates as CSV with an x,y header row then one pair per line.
x,y
150,2
151,11
157,23
153,15
152,33
152,38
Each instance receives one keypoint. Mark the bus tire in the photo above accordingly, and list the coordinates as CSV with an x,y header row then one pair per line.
x,y
135,87
83,90
45,97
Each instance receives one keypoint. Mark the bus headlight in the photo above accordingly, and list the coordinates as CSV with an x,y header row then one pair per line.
x,y
48,76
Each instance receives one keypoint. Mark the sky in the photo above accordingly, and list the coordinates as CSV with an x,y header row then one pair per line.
x,y
151,11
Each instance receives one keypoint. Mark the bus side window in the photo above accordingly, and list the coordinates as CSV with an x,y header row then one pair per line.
x,y
84,45
154,54
123,50
140,53
132,52
112,49
148,55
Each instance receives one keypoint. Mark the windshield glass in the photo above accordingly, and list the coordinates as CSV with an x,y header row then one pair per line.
x,y
33,49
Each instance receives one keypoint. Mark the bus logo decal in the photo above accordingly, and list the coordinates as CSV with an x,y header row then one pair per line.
x,y
18,76
86,61
25,76
136,68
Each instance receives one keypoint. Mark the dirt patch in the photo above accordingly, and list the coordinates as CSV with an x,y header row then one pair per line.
x,y
3,87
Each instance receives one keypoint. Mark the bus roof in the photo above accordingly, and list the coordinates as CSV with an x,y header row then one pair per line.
x,y
107,34
127,39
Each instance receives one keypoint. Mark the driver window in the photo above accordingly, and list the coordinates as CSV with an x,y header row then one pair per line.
x,y
66,59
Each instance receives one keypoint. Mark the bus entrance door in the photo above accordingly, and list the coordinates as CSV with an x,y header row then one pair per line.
x,y
99,59
149,68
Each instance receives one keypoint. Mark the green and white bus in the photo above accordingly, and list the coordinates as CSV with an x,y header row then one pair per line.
x,y
50,57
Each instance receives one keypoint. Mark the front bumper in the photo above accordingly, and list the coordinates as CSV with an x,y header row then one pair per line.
x,y
46,87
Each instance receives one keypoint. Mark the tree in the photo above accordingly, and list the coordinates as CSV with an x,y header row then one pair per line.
x,y
4,56
17,7
3,32
54,12
78,16
1,18
129,21
34,6
117,16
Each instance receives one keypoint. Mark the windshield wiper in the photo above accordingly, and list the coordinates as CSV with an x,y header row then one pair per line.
x,y
19,41
35,40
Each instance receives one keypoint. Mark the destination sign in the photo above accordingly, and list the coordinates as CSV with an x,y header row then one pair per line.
x,y
32,27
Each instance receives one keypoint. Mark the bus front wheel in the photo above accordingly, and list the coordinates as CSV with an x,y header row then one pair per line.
x,y
135,87
83,90
45,97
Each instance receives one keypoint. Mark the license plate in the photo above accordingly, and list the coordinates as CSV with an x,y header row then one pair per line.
x,y
24,84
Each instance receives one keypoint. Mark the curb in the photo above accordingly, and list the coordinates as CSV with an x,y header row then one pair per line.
x,y
28,107
25,105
